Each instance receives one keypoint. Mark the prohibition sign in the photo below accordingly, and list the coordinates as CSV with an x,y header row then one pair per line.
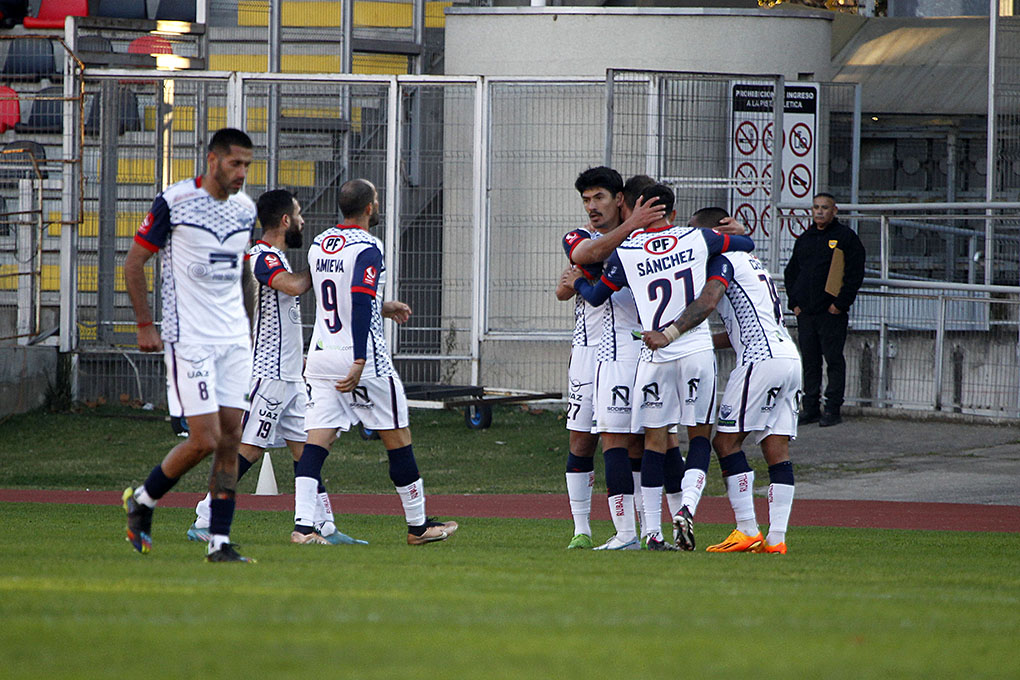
x,y
766,175
745,214
801,140
766,139
763,220
797,224
746,174
746,138
800,180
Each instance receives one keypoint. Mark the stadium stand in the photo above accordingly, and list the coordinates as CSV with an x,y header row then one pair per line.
x,y
10,108
53,12
46,114
29,60
121,9
16,161
127,113
176,10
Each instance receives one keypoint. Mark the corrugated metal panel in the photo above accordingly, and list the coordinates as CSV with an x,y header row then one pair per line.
x,y
919,66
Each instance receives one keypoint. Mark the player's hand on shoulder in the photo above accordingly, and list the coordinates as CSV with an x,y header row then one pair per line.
x,y
731,226
396,310
149,340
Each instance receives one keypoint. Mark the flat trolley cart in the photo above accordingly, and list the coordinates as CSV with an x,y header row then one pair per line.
x,y
476,401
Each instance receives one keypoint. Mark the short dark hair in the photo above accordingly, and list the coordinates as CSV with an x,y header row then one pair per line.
x,y
708,217
355,196
600,176
633,188
272,206
662,192
225,138
825,194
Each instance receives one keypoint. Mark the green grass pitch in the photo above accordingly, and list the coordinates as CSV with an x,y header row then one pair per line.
x,y
501,599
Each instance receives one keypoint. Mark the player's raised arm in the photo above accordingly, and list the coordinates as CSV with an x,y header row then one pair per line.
x,y
592,251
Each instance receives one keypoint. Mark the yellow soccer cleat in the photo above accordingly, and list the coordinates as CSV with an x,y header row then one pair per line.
x,y
778,549
738,541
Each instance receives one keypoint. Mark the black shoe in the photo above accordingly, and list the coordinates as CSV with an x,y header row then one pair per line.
x,y
658,544
683,529
139,522
227,553
829,419
808,418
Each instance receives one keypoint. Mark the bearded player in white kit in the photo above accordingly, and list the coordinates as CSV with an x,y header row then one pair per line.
x,y
349,371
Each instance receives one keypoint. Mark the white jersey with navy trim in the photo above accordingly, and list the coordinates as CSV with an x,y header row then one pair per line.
x,y
278,349
665,268
751,309
201,241
588,319
344,260
619,321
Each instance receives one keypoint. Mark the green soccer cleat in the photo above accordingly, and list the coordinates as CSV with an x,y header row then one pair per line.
x,y
139,522
580,542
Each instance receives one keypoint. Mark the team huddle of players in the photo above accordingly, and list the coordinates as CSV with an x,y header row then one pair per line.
x,y
643,363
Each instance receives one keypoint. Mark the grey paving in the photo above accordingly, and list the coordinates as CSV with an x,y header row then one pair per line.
x,y
903,459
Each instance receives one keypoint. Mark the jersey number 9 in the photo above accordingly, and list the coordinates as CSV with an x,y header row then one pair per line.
x,y
329,304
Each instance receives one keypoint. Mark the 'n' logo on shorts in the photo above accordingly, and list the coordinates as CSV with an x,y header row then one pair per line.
x,y
692,388
621,393
650,392
360,393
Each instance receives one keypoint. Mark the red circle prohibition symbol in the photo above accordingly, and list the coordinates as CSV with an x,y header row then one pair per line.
x,y
746,214
746,138
766,173
801,140
767,139
746,171
800,180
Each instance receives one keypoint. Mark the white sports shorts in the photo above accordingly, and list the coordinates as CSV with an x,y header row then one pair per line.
x,y
762,397
614,395
203,379
681,391
376,403
276,414
580,394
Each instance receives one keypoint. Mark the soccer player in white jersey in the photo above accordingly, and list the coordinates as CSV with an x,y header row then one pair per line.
x,y
349,372
664,266
201,228
276,414
603,357
762,393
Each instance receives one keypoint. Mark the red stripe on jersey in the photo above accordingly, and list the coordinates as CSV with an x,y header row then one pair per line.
x,y
273,276
360,289
609,283
726,242
145,244
722,279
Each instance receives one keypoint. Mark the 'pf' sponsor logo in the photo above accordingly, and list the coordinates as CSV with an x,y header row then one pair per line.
x,y
272,261
660,245
333,244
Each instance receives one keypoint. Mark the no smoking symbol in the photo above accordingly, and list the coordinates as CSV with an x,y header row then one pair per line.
x,y
746,138
746,214
801,139
800,180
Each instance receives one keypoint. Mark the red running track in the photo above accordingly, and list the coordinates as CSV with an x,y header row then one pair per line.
x,y
712,510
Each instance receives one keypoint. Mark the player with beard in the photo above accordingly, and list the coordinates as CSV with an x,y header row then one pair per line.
x,y
200,227
349,371
276,416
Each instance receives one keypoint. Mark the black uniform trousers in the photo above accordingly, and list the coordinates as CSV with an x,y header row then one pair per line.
x,y
821,336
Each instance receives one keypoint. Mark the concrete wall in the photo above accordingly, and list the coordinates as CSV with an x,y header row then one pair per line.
x,y
24,375
559,41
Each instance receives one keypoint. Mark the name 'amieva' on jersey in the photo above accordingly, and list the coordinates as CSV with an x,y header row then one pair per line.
x,y
655,266
329,265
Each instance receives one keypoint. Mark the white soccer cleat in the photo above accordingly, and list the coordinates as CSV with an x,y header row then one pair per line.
x,y
616,543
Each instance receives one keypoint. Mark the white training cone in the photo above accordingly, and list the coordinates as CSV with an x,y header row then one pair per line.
x,y
267,480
